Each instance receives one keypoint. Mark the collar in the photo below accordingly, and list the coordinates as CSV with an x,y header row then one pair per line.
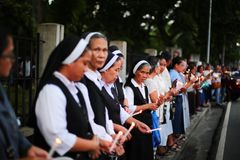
x,y
95,77
107,85
69,84
135,84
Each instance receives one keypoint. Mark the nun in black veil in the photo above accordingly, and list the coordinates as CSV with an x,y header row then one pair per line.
x,y
140,147
62,108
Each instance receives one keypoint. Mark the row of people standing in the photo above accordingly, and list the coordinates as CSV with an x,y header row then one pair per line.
x,y
76,101
82,101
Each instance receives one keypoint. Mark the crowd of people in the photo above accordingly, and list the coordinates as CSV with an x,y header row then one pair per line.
x,y
82,101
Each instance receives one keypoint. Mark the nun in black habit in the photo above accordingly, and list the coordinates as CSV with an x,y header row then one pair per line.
x,y
140,147
120,117
62,105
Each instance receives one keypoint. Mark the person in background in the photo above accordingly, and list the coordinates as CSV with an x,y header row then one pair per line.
x,y
201,99
165,66
157,95
192,94
208,89
13,145
178,66
216,85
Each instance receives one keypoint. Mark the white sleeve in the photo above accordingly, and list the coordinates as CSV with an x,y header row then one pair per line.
x,y
130,98
150,86
109,123
51,118
123,115
97,129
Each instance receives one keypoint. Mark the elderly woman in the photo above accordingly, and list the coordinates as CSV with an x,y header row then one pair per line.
x,y
140,147
119,116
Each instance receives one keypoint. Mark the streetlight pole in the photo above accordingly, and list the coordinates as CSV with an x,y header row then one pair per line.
x,y
209,31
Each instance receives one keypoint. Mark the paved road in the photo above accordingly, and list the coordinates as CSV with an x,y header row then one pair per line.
x,y
200,140
232,142
200,136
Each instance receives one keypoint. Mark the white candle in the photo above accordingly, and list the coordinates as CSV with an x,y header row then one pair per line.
x,y
129,130
156,129
56,143
115,141
139,112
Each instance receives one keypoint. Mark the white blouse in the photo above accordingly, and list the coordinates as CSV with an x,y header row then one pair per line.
x,y
130,94
51,114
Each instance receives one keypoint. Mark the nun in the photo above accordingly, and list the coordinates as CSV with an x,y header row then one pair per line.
x,y
109,73
119,84
140,147
119,116
62,108
92,79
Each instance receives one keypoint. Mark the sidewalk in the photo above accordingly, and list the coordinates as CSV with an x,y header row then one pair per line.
x,y
195,122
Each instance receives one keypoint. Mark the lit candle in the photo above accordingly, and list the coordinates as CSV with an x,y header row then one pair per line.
x,y
139,112
56,143
152,130
115,141
129,130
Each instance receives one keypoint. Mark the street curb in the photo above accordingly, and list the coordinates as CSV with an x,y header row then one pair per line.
x,y
194,123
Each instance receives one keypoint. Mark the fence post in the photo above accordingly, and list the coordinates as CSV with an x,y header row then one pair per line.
x,y
51,34
151,51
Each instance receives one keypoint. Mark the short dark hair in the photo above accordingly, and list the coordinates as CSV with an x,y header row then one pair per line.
x,y
166,55
176,60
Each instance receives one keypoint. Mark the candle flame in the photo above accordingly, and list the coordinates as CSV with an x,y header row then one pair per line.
x,y
133,124
120,133
58,141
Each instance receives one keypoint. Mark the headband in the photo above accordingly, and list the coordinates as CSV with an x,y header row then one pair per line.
x,y
78,50
109,63
138,65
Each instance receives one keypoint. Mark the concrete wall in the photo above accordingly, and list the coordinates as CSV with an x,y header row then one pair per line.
x,y
151,51
51,34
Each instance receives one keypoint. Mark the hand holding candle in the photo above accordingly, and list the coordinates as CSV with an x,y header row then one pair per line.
x,y
139,112
56,143
129,130
115,141
156,129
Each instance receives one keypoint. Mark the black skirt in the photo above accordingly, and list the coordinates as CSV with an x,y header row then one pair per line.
x,y
140,147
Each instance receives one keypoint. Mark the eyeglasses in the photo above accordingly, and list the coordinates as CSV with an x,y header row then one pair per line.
x,y
7,56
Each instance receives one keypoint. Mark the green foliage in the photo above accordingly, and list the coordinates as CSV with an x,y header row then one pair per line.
x,y
143,24
17,15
